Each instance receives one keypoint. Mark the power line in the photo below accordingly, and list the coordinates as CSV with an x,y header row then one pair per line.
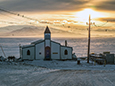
x,y
45,22
102,24
4,14
23,16
20,15
10,22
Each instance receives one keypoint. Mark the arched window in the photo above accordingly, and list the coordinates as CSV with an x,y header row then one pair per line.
x,y
28,52
66,52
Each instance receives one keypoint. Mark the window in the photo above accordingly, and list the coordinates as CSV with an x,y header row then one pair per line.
x,y
28,52
66,52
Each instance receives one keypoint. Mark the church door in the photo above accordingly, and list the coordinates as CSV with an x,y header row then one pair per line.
x,y
47,53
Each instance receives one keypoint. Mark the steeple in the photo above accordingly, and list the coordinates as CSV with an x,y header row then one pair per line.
x,y
47,34
47,30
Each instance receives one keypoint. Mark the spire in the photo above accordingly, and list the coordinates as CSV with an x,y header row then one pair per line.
x,y
47,30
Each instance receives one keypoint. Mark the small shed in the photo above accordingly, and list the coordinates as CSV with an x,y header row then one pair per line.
x,y
110,59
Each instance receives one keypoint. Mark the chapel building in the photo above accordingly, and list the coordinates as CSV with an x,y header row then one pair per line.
x,y
46,49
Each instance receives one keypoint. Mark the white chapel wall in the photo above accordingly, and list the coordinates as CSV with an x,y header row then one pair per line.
x,y
47,43
24,53
55,50
69,53
39,51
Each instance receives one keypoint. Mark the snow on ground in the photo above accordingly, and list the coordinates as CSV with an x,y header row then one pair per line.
x,y
56,73
70,65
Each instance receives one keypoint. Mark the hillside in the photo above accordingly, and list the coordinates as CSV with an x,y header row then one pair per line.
x,y
56,31
32,31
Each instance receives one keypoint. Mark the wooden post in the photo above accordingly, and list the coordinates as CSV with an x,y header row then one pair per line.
x,y
3,51
104,63
88,41
20,51
94,62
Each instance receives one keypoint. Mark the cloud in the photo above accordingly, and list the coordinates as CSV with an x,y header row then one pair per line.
x,y
107,19
107,5
56,5
43,5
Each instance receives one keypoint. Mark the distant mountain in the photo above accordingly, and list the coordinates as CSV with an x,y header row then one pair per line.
x,y
38,31
26,31
5,30
32,31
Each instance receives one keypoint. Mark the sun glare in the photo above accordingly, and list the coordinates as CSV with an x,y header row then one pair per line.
x,y
84,15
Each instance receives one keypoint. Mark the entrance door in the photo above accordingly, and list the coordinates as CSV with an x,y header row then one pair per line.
x,y
47,53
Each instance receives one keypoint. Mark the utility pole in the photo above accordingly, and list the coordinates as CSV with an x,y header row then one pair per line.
x,y
88,41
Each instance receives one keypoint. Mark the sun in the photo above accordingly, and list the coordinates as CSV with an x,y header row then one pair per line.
x,y
84,15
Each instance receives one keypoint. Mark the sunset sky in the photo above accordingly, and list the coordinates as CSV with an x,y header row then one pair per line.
x,y
59,12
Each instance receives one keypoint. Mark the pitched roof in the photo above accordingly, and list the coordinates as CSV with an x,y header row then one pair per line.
x,y
27,46
47,30
55,42
38,41
66,46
